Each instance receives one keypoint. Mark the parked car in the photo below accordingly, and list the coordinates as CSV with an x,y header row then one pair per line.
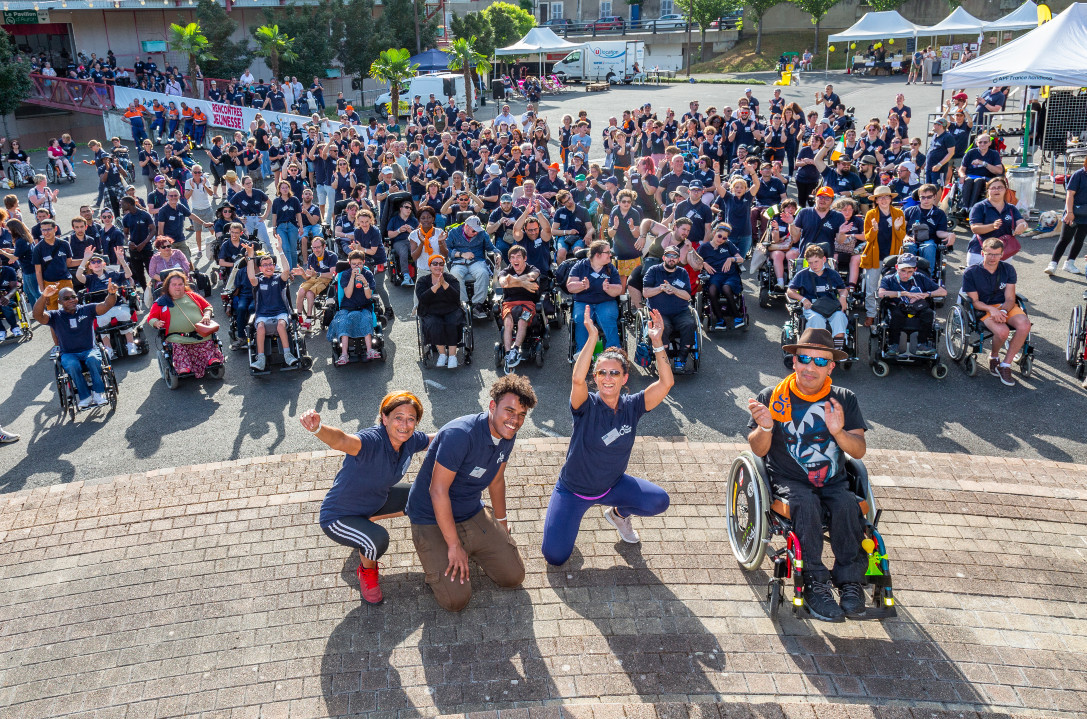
x,y
608,22
559,22
728,21
670,22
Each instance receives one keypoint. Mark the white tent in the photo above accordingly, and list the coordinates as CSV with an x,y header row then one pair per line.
x,y
877,26
539,40
1023,17
1031,60
958,22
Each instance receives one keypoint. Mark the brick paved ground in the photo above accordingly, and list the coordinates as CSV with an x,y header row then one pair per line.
x,y
210,592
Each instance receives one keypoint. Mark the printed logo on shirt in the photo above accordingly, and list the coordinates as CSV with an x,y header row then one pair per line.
x,y
501,457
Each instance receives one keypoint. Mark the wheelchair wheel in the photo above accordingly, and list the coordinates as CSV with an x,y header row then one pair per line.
x,y
217,371
881,368
773,596
1026,365
51,172
538,356
66,397
166,369
111,386
1073,344
939,370
971,365
955,337
747,500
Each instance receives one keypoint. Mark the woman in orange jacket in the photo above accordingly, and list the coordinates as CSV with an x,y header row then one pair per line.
x,y
884,231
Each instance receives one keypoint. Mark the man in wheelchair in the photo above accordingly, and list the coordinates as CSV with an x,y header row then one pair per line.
x,y
272,313
805,427
821,293
667,289
73,325
520,293
909,292
990,287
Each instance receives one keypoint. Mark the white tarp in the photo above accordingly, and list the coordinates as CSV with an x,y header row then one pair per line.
x,y
219,115
878,26
1052,54
539,39
1024,17
958,22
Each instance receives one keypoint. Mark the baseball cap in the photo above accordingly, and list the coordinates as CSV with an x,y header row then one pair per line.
x,y
474,223
671,251
940,121
960,96
907,260
747,89
386,170
612,179
160,178
580,178
506,197
695,185
824,192
580,154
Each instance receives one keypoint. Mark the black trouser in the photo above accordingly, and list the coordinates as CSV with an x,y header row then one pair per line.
x,y
972,187
139,261
806,503
444,330
900,321
683,323
1070,234
368,536
804,192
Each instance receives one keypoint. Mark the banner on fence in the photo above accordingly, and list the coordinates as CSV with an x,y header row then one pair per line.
x,y
221,115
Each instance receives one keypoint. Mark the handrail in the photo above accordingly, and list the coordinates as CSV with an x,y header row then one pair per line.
x,y
65,93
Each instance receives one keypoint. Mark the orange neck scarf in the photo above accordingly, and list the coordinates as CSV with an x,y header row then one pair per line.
x,y
781,406
427,249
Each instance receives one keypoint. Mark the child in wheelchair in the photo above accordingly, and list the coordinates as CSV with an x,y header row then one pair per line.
x,y
774,268
908,293
122,317
271,311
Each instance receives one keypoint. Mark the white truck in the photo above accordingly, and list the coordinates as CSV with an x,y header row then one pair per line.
x,y
603,61
441,85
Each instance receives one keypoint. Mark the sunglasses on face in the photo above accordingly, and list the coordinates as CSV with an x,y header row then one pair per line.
x,y
437,263
808,359
608,372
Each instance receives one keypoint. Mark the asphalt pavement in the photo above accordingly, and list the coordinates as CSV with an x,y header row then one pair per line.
x,y
244,416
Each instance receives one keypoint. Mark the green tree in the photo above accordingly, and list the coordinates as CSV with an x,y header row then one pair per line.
x,y
703,13
756,10
508,22
393,67
318,28
362,37
229,58
818,9
15,82
884,5
397,25
464,57
474,25
274,46
189,40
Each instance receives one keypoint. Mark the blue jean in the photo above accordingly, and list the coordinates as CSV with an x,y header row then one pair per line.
x,y
30,287
743,244
265,164
73,363
606,315
935,177
243,307
288,237
839,323
630,495
256,223
9,314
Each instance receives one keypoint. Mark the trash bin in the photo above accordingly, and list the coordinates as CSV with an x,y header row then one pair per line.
x,y
1024,181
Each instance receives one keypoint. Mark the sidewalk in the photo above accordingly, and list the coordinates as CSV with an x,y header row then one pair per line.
x,y
209,591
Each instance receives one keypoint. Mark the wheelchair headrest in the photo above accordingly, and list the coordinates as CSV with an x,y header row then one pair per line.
x,y
342,266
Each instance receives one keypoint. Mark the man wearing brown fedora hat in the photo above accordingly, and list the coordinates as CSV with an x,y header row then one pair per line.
x,y
805,427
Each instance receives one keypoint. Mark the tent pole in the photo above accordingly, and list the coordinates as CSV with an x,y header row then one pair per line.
x,y
826,68
1026,135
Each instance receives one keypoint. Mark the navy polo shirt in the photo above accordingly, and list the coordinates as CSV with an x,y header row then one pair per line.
x,y
362,485
101,284
715,257
249,205
770,191
358,299
53,259
327,262
286,212
369,239
229,252
983,213
992,157
814,228
173,221
937,149
75,331
538,251
841,184
566,219
269,295
935,218
79,246
497,215
736,211
138,224
990,286
600,444
595,294
667,304
466,447
812,286
920,282
700,215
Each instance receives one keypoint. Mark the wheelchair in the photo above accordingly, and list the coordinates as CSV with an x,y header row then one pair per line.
x,y
171,377
428,354
326,307
53,175
705,314
392,207
767,282
1075,344
880,341
19,177
643,353
625,312
753,516
273,352
66,389
965,337
116,330
537,338
23,315
795,325
919,235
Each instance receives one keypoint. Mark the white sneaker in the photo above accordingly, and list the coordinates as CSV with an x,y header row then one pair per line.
x,y
1051,268
132,348
622,525
452,362
99,399
4,335
16,332
289,358
85,403
258,363
443,360
1070,266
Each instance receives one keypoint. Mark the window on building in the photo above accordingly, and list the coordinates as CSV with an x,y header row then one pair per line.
x,y
557,11
668,7
605,8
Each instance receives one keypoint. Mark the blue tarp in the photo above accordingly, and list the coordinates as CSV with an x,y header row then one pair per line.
x,y
431,60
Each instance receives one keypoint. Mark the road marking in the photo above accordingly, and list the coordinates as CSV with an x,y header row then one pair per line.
x,y
432,383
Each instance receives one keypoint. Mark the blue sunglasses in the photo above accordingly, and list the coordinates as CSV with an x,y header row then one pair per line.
x,y
808,359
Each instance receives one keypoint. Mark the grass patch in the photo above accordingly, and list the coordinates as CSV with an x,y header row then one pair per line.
x,y
742,57
715,81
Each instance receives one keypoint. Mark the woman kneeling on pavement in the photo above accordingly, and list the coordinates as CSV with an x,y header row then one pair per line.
x,y
368,486
181,313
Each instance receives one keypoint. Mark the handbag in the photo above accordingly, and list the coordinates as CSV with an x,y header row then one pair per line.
x,y
1079,212
826,306
204,328
1011,246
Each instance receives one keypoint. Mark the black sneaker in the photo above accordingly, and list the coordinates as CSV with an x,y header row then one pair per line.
x,y
819,598
852,599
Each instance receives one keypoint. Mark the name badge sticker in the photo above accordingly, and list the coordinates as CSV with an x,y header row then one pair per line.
x,y
478,472
610,437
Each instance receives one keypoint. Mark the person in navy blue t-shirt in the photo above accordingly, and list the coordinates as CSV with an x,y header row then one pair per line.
x,y
368,485
990,288
605,426
449,522
721,260
73,326
270,294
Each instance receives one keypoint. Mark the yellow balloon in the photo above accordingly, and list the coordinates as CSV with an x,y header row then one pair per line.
x,y
852,46
879,45
891,41
868,545
831,48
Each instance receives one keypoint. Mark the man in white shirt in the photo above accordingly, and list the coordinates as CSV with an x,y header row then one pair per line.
x,y
288,95
505,117
247,78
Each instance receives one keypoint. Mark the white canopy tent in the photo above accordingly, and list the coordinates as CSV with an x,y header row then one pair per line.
x,y
877,26
1024,17
539,41
958,22
1031,60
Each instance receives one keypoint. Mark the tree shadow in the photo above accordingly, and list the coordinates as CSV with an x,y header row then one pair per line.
x,y
663,646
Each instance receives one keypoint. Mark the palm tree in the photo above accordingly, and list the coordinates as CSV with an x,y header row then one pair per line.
x,y
275,46
393,66
191,41
463,56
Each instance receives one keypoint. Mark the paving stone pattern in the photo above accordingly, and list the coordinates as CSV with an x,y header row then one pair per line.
x,y
210,591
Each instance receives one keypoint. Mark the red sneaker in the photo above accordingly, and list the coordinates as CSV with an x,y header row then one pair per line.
x,y
368,585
